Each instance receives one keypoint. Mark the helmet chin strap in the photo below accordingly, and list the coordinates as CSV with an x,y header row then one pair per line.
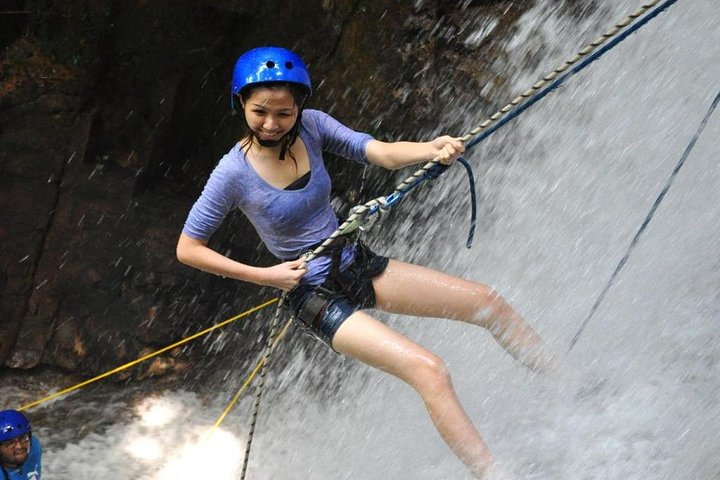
x,y
274,143
267,143
271,143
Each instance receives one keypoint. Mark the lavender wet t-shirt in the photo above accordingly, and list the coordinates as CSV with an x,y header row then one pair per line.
x,y
287,221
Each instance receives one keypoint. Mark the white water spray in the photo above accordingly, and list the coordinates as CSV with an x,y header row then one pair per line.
x,y
564,189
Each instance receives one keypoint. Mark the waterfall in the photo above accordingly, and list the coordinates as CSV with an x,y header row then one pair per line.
x,y
563,190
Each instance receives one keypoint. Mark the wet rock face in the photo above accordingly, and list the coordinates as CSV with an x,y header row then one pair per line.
x,y
112,114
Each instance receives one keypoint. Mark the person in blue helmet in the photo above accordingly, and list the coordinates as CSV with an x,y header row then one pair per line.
x,y
20,452
275,175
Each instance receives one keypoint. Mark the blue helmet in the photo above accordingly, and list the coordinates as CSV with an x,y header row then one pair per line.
x,y
12,424
266,65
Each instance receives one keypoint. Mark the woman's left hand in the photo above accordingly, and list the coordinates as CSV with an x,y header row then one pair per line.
x,y
447,149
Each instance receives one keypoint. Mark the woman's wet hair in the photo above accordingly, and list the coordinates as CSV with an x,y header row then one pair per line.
x,y
299,94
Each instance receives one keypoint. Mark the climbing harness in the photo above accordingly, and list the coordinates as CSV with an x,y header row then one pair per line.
x,y
646,222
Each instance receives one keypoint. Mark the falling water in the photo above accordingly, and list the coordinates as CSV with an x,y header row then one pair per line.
x,y
564,189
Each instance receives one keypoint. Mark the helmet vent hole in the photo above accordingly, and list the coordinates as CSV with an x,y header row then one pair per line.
x,y
270,64
289,65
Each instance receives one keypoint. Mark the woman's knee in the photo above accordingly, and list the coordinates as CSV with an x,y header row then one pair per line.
x,y
430,373
489,305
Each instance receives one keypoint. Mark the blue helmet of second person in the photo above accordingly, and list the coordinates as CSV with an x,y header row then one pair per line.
x,y
12,424
267,65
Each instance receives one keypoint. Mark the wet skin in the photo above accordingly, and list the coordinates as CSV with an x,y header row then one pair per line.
x,y
14,452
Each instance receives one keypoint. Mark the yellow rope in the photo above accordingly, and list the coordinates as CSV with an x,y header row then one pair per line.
x,y
142,359
249,379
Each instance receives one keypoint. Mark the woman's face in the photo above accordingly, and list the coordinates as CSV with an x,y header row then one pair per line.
x,y
270,112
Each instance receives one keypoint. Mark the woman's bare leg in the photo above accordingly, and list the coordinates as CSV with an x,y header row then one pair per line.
x,y
414,290
377,345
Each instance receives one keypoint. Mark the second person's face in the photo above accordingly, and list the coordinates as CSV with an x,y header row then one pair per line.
x,y
13,453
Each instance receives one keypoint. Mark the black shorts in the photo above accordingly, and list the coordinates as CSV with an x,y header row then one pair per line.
x,y
323,308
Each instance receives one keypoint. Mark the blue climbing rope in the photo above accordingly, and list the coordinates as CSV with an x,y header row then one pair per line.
x,y
646,222
559,80
432,173
359,215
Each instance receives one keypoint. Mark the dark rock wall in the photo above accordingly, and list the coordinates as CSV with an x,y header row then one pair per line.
x,y
113,113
